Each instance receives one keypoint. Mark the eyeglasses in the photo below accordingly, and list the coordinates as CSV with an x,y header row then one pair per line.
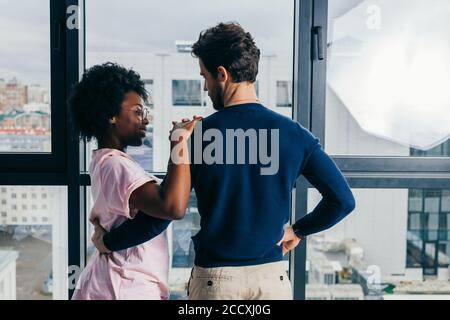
x,y
142,113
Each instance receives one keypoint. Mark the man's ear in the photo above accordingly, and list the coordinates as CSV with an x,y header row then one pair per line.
x,y
222,74
112,121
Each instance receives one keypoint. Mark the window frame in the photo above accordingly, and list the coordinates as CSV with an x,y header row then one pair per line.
x,y
55,161
362,172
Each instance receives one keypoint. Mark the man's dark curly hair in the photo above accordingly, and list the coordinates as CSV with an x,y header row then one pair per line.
x,y
229,46
98,97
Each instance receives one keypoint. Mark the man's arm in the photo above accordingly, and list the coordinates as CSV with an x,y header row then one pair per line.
x,y
337,202
129,234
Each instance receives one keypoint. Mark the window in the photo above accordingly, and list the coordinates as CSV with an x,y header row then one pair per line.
x,y
150,89
284,94
3,201
376,127
414,222
378,78
25,122
186,93
430,224
27,244
379,238
176,79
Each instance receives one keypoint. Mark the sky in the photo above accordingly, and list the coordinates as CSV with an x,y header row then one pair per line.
x,y
155,25
397,87
135,25
25,40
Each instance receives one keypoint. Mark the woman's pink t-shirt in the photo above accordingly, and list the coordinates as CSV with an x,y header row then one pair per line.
x,y
140,272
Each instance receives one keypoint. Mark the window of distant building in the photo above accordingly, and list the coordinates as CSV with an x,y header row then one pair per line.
x,y
428,227
284,94
187,92
148,83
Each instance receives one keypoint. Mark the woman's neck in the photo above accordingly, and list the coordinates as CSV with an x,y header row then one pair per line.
x,y
111,143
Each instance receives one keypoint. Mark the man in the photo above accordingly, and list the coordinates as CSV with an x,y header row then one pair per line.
x,y
244,196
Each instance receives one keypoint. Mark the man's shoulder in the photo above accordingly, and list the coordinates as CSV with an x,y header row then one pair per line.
x,y
257,111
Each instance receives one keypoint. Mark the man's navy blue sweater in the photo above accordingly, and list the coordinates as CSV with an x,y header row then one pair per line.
x,y
242,210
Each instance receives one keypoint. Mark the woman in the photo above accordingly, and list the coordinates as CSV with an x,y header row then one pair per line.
x,y
108,105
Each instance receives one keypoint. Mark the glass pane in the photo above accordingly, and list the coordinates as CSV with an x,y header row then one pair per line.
x,y
446,200
182,250
413,254
432,200
33,243
161,53
433,221
429,258
415,200
388,78
377,251
444,252
414,221
25,77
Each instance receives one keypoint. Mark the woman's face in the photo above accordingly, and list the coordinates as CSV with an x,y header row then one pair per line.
x,y
130,124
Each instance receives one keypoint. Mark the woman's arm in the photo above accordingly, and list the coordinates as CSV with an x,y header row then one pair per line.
x,y
169,201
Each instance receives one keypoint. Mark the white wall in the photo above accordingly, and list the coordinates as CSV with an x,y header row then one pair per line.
x,y
8,289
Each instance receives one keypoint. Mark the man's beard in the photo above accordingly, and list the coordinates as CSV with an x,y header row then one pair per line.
x,y
217,98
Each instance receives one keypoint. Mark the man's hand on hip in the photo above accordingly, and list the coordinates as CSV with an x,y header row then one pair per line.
x,y
290,240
